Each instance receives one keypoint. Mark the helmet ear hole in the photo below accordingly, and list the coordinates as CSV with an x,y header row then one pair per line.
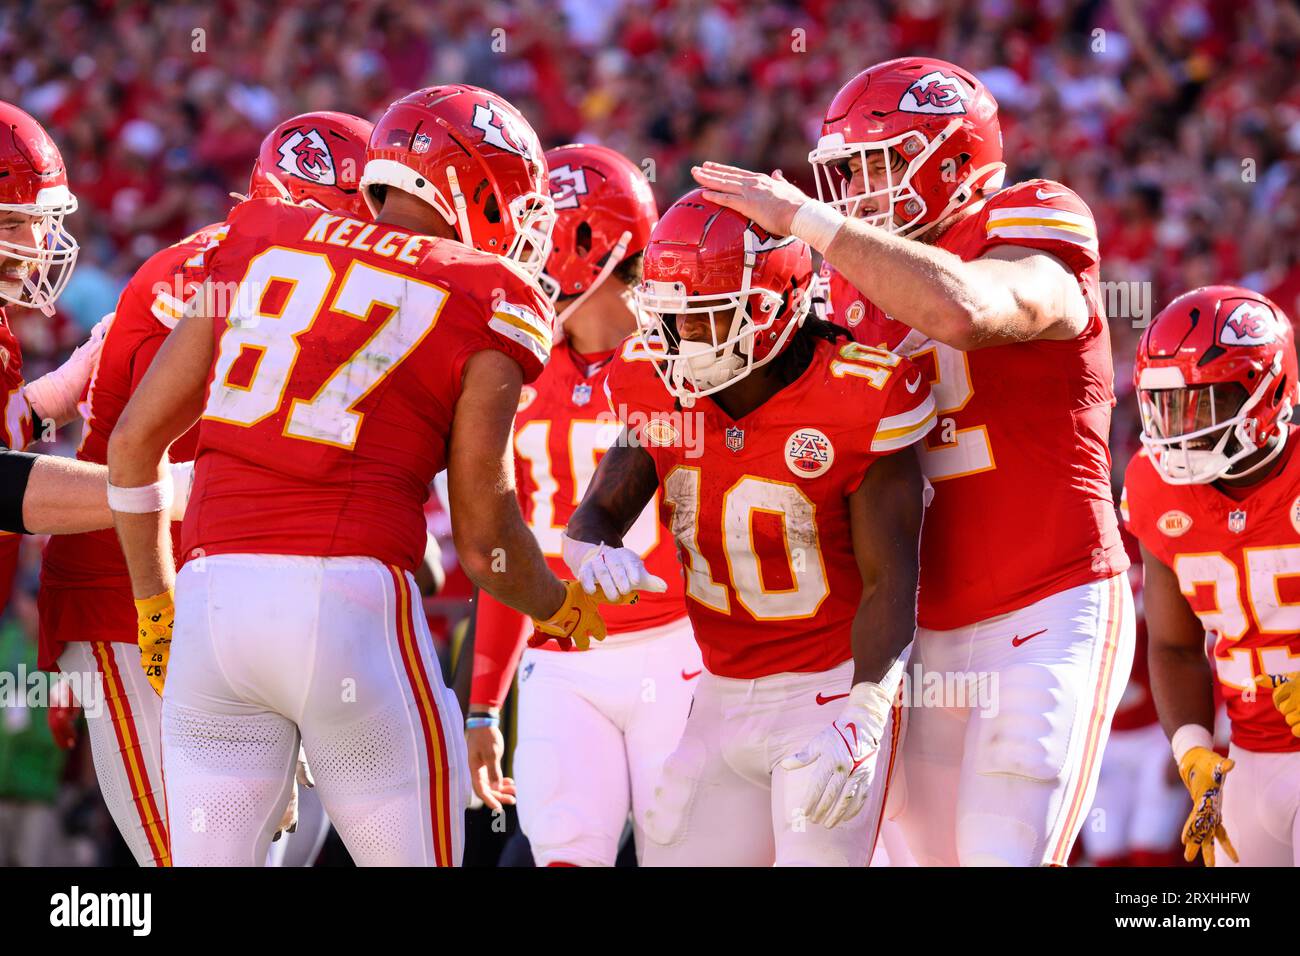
x,y
491,208
582,239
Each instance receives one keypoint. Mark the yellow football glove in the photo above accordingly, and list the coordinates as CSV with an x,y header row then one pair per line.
x,y
1203,772
578,620
155,617
1286,698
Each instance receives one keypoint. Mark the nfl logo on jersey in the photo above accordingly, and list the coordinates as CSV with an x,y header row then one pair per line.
x,y
1237,521
581,393
735,438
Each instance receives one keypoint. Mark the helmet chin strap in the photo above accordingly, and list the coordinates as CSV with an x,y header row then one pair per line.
x,y
1270,457
612,262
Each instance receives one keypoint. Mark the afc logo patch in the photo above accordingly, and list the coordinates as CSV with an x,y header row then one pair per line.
x,y
936,92
808,452
304,155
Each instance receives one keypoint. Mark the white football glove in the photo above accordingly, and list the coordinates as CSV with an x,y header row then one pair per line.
x,y
618,571
55,394
844,757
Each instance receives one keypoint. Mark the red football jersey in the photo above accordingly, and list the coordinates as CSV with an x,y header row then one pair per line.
x,y
339,352
1238,564
562,429
85,588
759,506
1019,458
16,432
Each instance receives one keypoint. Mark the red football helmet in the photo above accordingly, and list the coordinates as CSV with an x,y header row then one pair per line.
x,y
315,158
34,184
705,259
1216,382
934,125
473,157
604,211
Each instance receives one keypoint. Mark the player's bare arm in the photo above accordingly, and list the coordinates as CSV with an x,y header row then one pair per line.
x,y
1181,681
167,403
49,494
624,483
885,515
1011,294
495,546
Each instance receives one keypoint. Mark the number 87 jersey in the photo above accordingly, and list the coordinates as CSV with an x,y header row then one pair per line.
x,y
759,505
340,347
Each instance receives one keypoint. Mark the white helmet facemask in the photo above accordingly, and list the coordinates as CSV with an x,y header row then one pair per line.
x,y
51,256
1195,435
693,369
830,170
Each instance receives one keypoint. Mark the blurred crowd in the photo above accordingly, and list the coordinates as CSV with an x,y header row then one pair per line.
x,y
1178,121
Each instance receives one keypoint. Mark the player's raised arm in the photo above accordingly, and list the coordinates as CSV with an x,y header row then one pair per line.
x,y
1010,294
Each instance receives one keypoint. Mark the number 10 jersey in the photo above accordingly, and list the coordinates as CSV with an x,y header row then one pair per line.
x,y
759,505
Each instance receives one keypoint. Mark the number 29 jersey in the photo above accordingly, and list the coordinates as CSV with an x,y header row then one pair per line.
x,y
339,353
758,506
1238,566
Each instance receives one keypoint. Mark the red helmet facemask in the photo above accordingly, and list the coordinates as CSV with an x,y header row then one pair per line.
x,y
316,159
925,137
473,157
604,212
706,262
1216,382
34,183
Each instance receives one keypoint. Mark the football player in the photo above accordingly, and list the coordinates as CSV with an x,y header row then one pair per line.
x,y
37,255
87,614
626,699
995,294
797,526
345,362
1214,499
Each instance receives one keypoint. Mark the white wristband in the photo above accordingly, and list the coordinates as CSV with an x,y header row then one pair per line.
x,y
816,224
142,500
1188,736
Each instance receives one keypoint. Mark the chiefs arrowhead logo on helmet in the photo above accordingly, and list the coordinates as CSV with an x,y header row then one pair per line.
x,y
1250,323
765,240
305,155
936,92
567,184
502,132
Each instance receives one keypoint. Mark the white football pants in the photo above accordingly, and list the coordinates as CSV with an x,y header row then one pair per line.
x,y
1260,798
594,731
270,647
1004,778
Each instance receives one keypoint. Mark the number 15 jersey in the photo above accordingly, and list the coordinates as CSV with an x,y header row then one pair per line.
x,y
340,347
